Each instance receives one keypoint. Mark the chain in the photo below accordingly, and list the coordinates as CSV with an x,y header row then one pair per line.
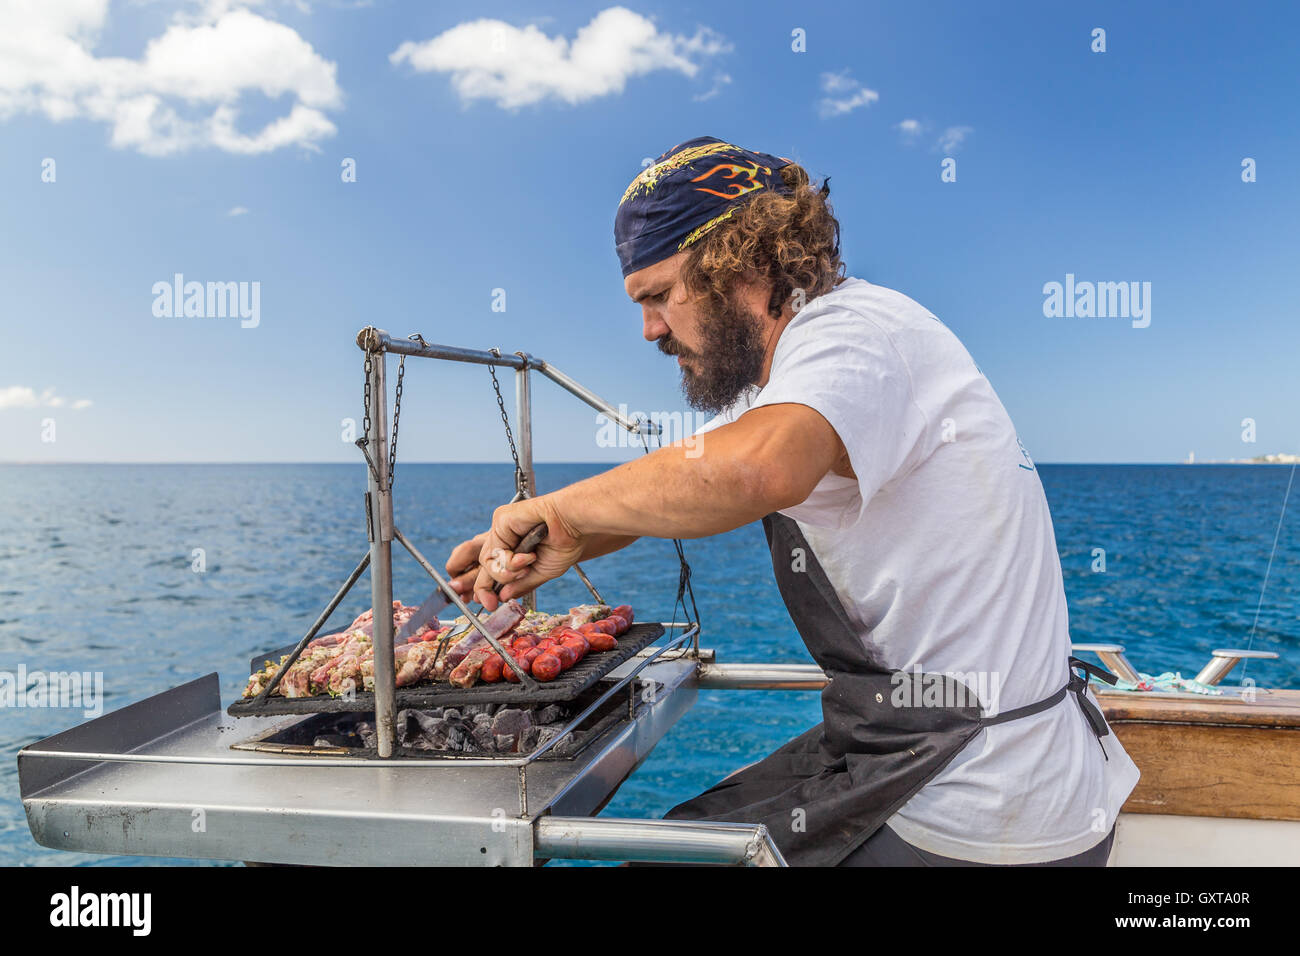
x,y
397,413
684,589
364,440
521,480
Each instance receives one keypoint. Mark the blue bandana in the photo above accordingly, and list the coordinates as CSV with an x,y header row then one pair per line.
x,y
689,190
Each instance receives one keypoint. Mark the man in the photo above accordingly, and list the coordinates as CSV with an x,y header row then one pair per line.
x,y
910,536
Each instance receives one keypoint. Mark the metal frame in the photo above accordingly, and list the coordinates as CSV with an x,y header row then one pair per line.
x,y
380,526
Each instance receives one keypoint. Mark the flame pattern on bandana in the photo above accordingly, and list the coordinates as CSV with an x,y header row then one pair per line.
x,y
646,181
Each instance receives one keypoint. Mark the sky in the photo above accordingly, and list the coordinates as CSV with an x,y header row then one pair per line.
x,y
217,140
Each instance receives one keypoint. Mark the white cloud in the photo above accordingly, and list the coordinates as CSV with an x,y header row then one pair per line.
x,y
22,396
910,129
238,211
844,94
952,138
182,93
719,81
518,66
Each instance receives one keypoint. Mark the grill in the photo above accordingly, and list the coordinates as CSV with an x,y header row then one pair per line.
x,y
135,780
568,686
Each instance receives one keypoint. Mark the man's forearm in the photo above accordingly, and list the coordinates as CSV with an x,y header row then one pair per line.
x,y
599,545
671,494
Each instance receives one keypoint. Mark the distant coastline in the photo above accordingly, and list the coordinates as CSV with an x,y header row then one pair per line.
x,y
1282,458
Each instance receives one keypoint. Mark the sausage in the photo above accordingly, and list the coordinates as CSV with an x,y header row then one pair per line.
x,y
524,642
602,642
620,623
625,612
568,657
606,626
579,646
521,659
524,659
547,667
491,672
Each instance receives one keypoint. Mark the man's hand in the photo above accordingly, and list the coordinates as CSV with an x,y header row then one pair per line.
x,y
520,573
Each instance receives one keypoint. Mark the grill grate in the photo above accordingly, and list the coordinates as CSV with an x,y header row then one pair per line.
x,y
566,687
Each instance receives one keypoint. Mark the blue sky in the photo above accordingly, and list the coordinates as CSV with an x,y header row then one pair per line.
x,y
482,168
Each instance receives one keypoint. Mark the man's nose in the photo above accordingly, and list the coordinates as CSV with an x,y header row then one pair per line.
x,y
653,327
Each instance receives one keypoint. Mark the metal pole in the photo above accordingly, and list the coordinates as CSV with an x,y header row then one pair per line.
x,y
740,676
524,418
381,558
655,841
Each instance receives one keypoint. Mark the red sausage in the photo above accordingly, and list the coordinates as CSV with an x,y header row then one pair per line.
x,y
624,611
491,672
524,642
547,667
578,645
567,655
509,674
607,626
603,642
620,623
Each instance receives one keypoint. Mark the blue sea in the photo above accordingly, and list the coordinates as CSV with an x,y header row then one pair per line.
x,y
97,574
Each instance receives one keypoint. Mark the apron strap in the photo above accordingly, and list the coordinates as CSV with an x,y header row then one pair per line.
x,y
1077,685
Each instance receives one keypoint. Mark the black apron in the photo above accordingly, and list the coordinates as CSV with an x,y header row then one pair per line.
x,y
825,792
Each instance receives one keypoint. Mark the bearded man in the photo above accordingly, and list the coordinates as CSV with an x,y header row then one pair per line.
x,y
910,536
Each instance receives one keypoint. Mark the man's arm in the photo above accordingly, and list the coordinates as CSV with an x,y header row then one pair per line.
x,y
599,545
770,458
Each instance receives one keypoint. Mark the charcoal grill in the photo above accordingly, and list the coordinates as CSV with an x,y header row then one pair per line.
x,y
176,776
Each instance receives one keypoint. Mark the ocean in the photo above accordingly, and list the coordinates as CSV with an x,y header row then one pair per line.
x,y
156,574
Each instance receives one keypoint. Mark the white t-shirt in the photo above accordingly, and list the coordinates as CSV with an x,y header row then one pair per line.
x,y
942,553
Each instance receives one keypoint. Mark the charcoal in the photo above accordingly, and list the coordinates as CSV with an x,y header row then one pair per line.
x,y
482,738
506,743
512,721
425,732
330,740
457,736
482,720
474,710
451,713
546,734
528,742
548,714
366,731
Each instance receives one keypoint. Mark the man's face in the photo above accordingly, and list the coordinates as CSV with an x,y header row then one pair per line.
x,y
720,353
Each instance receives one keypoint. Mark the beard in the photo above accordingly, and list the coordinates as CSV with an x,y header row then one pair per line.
x,y
729,361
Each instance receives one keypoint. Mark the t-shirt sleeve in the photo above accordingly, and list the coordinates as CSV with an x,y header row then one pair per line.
x,y
843,366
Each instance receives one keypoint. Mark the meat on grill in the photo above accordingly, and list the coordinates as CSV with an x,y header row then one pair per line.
x,y
340,663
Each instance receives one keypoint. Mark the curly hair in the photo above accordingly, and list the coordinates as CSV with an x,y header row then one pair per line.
x,y
791,240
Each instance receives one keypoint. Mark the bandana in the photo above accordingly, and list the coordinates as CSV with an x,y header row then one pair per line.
x,y
687,192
